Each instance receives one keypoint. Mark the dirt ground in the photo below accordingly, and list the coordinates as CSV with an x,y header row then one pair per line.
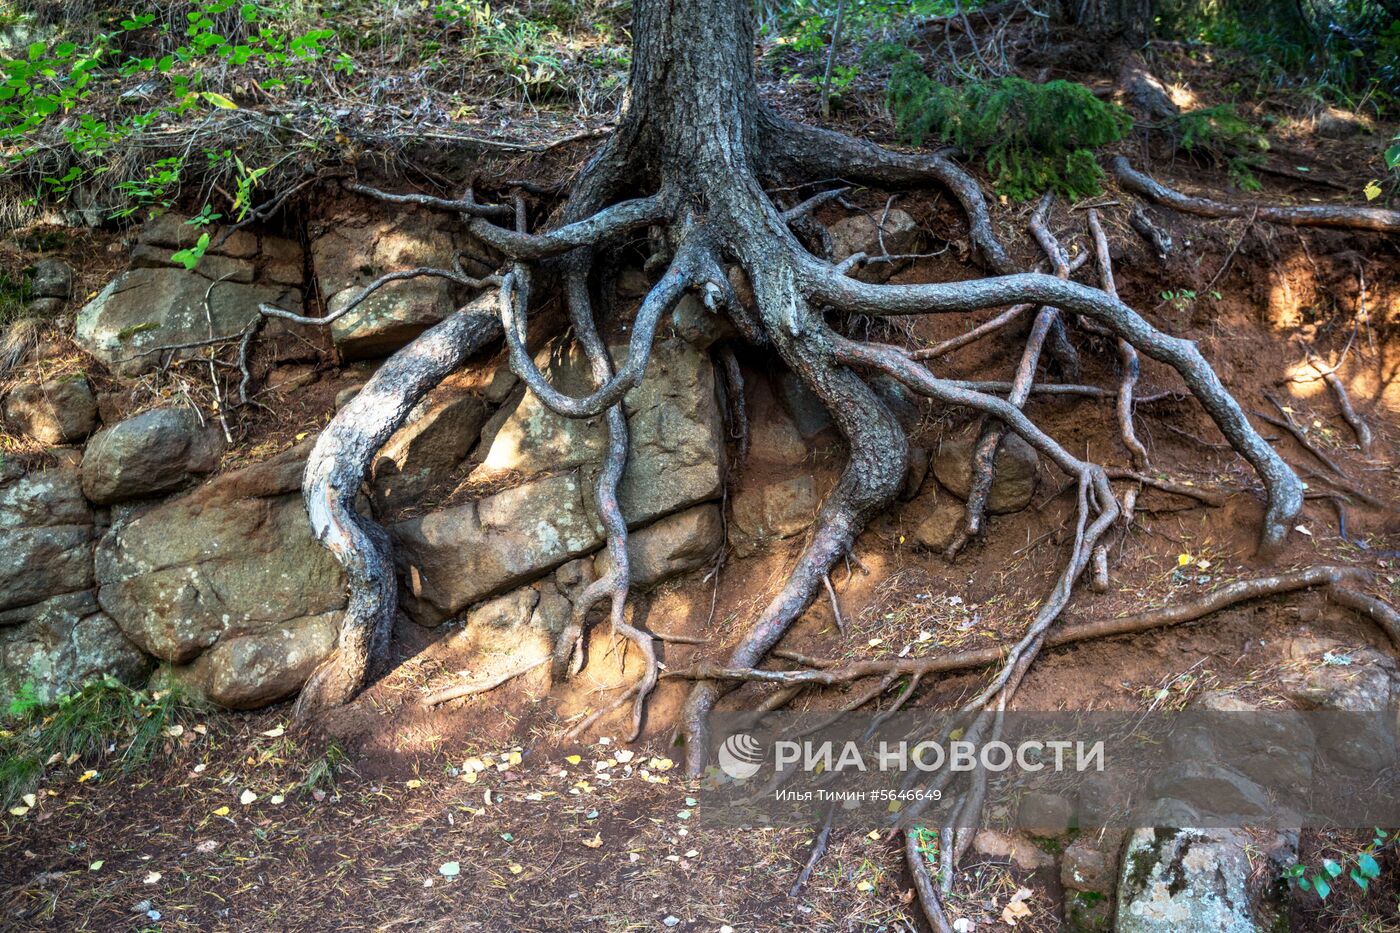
x,y
478,815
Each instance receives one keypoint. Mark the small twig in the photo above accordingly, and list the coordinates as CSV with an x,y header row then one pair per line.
x,y
819,845
1287,423
835,604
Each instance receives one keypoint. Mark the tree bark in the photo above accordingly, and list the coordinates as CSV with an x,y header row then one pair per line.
x,y
1130,20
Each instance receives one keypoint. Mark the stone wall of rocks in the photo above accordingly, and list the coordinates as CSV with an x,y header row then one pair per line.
x,y
146,549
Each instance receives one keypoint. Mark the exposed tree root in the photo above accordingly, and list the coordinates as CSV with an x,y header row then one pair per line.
x,y
1350,218
1046,321
1339,581
482,686
923,883
1329,374
1127,356
337,468
819,844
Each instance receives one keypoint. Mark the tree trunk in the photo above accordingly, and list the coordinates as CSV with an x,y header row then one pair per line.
x,y
1130,20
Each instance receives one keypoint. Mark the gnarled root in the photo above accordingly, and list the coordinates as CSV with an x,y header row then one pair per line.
x,y
338,465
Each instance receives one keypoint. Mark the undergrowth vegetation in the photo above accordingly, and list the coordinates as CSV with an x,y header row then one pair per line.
x,y
1227,138
1344,52
1032,136
104,724
116,110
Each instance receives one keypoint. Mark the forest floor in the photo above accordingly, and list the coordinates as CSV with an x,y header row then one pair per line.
x,y
478,815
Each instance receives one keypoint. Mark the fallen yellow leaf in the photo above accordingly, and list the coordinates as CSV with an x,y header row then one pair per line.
x,y
595,842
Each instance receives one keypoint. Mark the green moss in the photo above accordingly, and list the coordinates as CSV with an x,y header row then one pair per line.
x,y
1033,137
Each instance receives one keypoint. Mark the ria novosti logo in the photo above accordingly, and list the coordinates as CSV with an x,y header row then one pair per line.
x,y
740,756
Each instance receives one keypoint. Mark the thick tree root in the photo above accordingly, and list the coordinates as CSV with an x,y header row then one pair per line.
x,y
993,432
1285,492
337,468
1348,218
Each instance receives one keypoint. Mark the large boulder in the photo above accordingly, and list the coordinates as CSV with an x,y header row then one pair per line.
x,y
932,518
230,570
779,509
246,671
460,555
1013,473
1190,879
56,645
60,411
439,433
890,233
143,309
675,450
353,247
51,278
154,452
674,545
46,535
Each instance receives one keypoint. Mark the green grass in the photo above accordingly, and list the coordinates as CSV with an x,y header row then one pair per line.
x,y
321,773
104,724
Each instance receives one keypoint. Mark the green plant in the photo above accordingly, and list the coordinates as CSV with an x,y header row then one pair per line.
x,y
321,773
54,81
205,217
102,722
190,256
24,702
1033,137
1180,299
1226,137
1361,867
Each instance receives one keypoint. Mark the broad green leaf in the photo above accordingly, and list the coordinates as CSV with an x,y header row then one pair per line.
x,y
219,100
